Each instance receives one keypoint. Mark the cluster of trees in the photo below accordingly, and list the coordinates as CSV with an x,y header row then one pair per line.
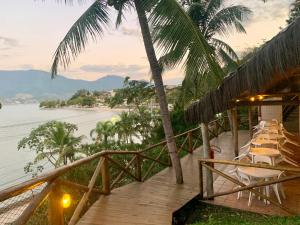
x,y
83,98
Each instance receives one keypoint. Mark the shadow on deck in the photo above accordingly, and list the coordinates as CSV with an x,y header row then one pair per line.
x,y
155,200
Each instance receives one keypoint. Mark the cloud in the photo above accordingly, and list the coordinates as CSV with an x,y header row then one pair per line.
x,y
265,10
115,69
7,43
130,31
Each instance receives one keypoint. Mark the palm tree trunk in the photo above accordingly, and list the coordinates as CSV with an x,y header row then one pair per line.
x,y
159,87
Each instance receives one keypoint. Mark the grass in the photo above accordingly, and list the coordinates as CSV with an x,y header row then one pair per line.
x,y
206,214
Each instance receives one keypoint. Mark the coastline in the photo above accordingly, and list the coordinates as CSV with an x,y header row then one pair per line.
x,y
95,108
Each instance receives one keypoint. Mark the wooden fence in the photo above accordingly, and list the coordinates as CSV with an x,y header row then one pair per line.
x,y
107,170
208,164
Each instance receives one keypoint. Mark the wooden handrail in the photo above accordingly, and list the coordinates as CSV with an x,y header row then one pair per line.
x,y
263,166
30,184
105,158
251,189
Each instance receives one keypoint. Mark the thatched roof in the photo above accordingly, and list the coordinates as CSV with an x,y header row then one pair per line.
x,y
276,61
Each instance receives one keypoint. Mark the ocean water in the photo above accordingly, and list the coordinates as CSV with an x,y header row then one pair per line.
x,y
16,122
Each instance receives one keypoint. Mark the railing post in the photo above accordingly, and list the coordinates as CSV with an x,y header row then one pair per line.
x,y
200,180
206,151
218,127
250,121
190,137
105,176
235,131
138,167
55,208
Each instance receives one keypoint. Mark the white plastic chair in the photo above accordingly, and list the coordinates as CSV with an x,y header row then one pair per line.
x,y
275,187
243,178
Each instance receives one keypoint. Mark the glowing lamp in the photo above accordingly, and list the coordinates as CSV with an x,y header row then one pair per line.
x,y
252,99
260,97
66,201
237,100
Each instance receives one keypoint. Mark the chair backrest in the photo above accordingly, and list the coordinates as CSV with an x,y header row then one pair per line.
x,y
245,179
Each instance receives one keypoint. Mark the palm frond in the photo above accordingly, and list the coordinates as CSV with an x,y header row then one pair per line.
x,y
175,33
227,19
212,6
217,43
229,63
123,6
90,24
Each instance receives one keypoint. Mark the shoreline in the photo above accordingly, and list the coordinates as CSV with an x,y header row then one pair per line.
x,y
95,108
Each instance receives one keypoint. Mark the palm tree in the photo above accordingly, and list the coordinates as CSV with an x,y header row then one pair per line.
x,y
127,127
213,19
104,131
161,13
63,143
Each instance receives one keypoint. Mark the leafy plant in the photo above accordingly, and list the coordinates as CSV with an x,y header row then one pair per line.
x,y
52,142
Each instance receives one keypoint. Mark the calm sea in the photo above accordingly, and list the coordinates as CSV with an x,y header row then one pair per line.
x,y
16,122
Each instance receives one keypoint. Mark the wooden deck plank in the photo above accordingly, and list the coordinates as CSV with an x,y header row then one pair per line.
x,y
154,201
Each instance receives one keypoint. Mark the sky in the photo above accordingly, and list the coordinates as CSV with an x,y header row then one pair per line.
x,y
30,31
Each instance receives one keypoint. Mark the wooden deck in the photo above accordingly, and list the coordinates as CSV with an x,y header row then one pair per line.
x,y
154,201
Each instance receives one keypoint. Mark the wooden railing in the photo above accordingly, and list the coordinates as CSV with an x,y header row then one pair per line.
x,y
40,199
208,165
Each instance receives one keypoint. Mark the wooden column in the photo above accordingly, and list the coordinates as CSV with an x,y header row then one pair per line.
x,y
190,139
55,208
235,132
138,167
206,154
105,176
200,180
250,121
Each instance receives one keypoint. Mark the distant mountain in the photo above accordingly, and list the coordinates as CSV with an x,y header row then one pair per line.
x,y
40,85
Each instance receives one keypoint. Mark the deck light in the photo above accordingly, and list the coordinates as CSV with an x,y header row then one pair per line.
x,y
66,201
252,99
260,97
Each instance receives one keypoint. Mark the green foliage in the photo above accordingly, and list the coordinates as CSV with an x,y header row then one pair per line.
x,y
52,104
104,132
295,12
134,92
80,93
207,214
54,142
211,18
89,101
179,125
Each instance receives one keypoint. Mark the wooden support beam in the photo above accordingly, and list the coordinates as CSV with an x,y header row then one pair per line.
x,y
271,102
256,185
190,137
105,176
200,180
259,165
78,186
138,169
250,121
55,209
75,217
235,131
206,154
